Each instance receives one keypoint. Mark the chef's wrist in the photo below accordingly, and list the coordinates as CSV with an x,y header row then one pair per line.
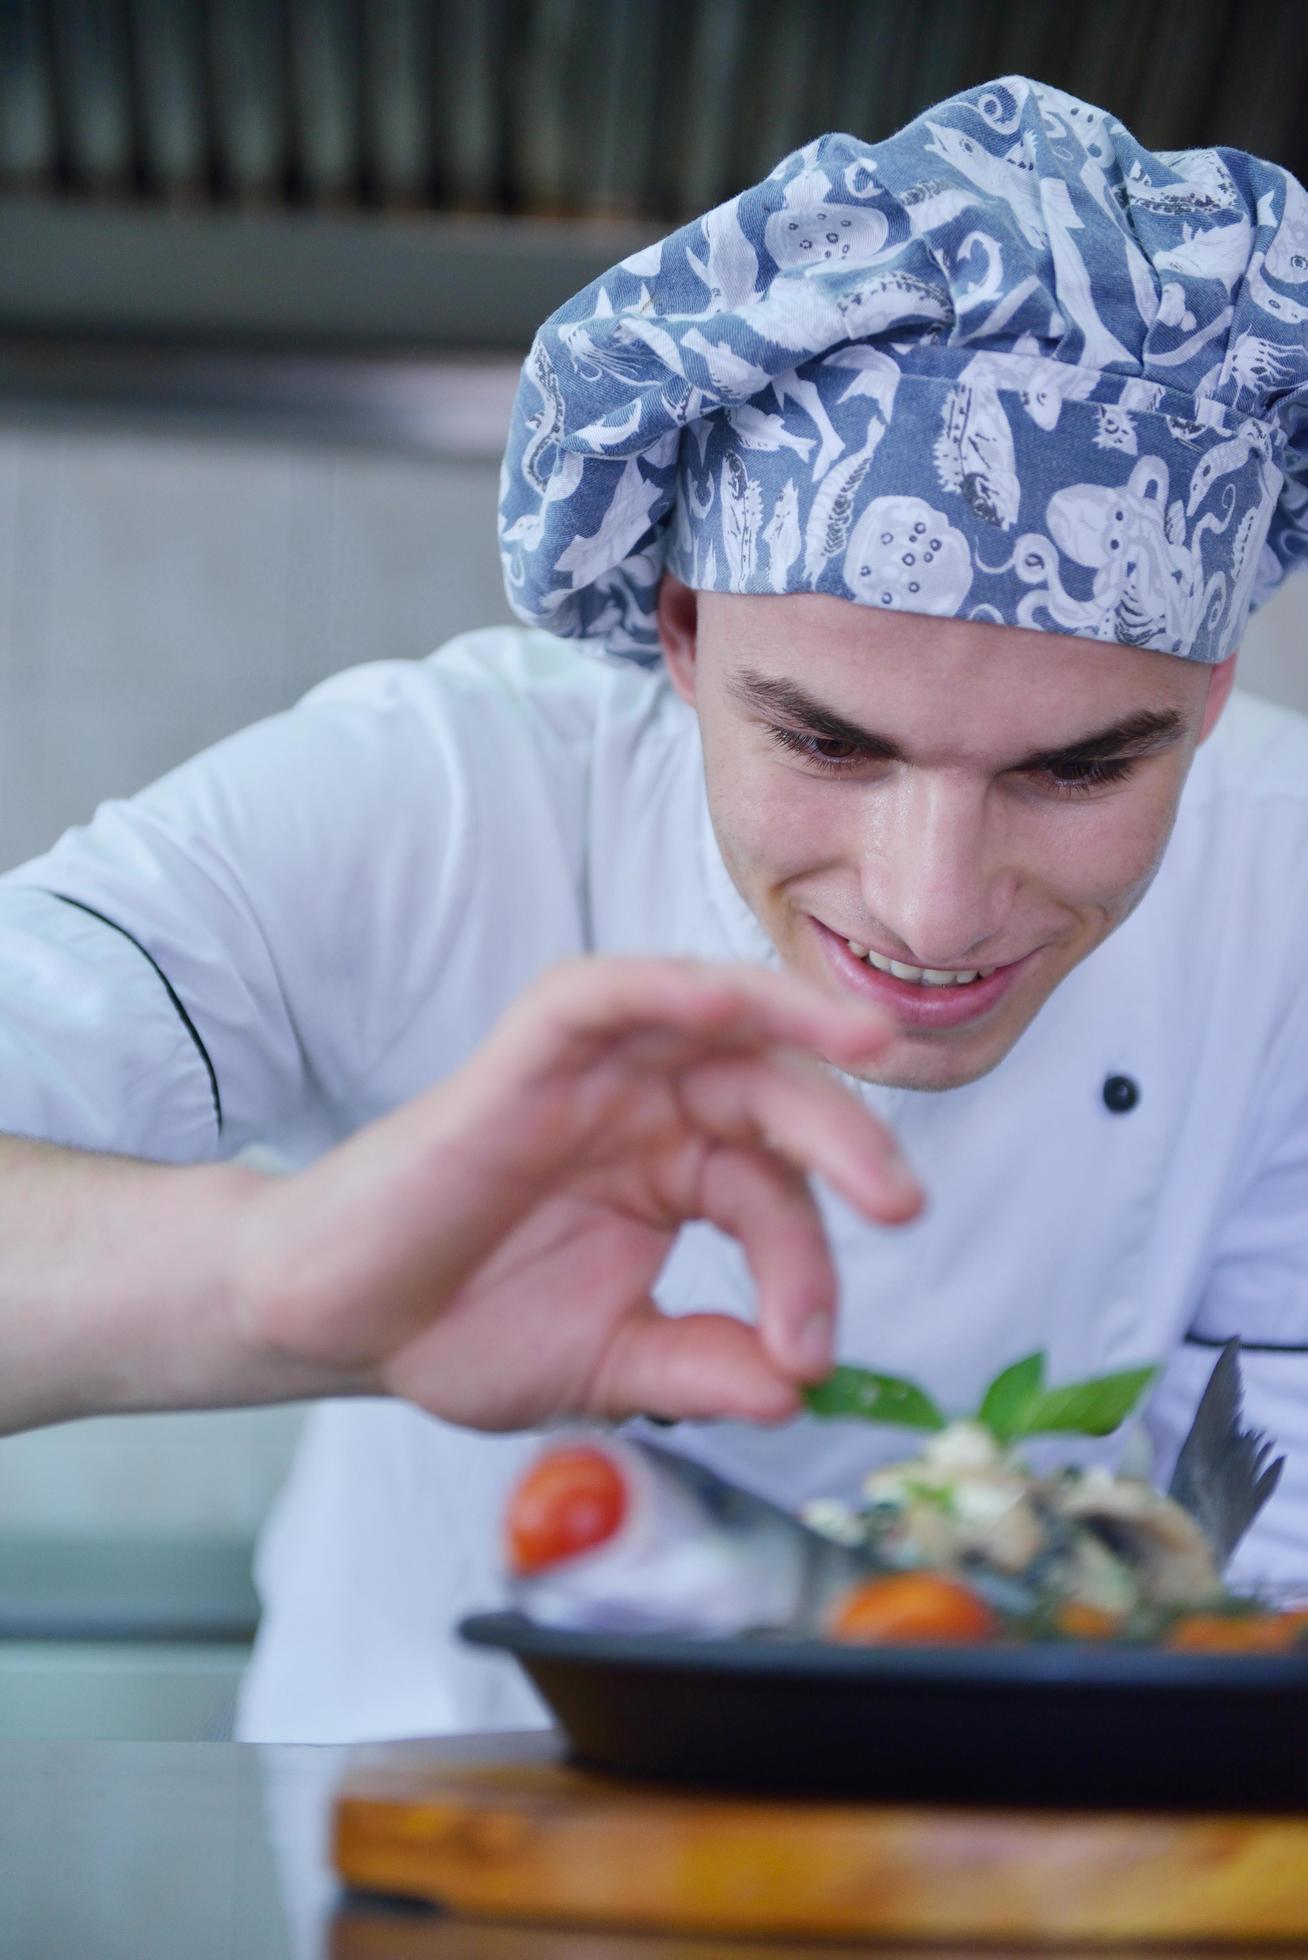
x,y
278,1300
156,1310
117,1289
188,1332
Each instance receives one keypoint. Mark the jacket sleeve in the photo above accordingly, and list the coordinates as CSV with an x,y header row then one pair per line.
x,y
95,1049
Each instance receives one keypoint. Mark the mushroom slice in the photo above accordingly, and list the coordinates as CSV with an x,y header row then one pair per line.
x,y
1162,1545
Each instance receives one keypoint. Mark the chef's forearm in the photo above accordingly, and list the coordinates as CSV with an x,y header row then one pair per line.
x,y
118,1290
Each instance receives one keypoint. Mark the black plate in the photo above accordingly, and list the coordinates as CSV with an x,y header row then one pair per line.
x,y
1058,1724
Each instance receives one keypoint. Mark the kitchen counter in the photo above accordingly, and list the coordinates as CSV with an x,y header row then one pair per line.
x,y
218,1851
149,1851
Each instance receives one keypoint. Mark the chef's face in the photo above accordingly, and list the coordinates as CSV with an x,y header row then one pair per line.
x,y
948,794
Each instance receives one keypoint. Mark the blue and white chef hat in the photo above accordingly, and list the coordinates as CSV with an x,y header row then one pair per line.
x,y
1006,365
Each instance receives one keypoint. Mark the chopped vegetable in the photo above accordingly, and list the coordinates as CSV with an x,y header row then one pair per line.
x,y
1072,1619
968,1506
911,1607
1237,1633
571,1500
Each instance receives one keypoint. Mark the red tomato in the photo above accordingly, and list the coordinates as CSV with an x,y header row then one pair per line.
x,y
912,1606
571,1500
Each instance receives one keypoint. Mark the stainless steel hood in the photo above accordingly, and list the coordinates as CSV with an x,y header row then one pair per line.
x,y
194,191
436,174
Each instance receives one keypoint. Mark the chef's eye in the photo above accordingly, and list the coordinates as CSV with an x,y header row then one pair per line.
x,y
1077,778
818,749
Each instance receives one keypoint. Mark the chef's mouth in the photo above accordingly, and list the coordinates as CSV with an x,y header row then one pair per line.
x,y
924,1000
918,975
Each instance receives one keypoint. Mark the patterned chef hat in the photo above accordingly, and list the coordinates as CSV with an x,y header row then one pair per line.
x,y
1006,365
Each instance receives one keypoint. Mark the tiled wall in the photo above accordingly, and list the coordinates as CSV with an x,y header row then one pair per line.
x,y
157,592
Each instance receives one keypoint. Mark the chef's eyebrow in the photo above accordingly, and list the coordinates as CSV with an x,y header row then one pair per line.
x,y
1148,728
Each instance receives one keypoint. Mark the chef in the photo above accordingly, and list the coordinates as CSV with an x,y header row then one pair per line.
x,y
883,542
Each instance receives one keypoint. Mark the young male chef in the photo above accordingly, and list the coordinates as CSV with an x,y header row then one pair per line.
x,y
918,498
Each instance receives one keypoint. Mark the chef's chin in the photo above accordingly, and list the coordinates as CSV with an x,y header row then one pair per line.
x,y
937,1059
934,1063
933,1058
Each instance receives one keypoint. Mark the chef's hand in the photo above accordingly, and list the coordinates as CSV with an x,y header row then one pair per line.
x,y
488,1250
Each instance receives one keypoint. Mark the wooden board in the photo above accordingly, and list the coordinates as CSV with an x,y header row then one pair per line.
x,y
529,1837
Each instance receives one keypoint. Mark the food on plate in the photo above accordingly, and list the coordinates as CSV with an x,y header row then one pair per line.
x,y
570,1501
1031,1543
1224,1473
920,1607
1071,1553
616,1535
1072,1619
961,1542
1249,1631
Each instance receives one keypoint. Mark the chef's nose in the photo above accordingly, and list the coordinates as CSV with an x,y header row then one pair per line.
x,y
935,875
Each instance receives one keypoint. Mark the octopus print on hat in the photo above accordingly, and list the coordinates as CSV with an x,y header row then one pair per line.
x,y
1006,365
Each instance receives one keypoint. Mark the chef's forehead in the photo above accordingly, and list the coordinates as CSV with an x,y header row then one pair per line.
x,y
843,637
934,687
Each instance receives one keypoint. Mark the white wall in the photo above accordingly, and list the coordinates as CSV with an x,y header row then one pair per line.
x,y
157,592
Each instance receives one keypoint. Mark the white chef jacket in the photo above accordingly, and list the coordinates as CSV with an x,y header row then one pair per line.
x,y
314,920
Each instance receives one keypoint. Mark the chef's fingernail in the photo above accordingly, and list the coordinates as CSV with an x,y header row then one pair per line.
x,y
905,1186
898,1169
813,1342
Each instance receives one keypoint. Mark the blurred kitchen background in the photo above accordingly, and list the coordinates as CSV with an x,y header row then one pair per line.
x,y
269,268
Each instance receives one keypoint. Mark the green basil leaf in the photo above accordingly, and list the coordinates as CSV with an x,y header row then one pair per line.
x,y
873,1398
1091,1408
1004,1407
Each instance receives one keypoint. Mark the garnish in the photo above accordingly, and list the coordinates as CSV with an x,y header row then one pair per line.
x,y
876,1398
1017,1403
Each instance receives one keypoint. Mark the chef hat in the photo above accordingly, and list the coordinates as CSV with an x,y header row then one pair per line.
x,y
1006,365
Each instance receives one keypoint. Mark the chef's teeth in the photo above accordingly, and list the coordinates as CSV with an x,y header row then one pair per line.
x,y
859,952
921,976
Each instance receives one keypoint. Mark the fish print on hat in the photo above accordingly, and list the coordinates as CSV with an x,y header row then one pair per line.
x,y
1006,365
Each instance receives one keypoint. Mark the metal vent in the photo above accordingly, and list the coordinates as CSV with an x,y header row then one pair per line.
x,y
409,178
640,109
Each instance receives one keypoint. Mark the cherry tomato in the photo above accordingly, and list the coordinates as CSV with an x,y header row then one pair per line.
x,y
570,1500
1235,1633
912,1606
1077,1621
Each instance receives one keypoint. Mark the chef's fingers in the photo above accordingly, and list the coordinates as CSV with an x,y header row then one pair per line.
x,y
808,1118
767,1207
692,1366
576,1010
